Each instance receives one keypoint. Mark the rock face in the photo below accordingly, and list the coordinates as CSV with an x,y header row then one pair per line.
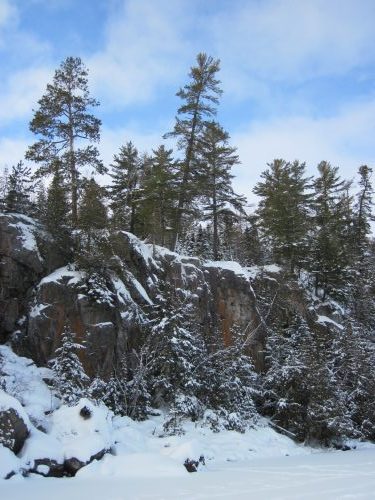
x,y
13,430
14,423
108,316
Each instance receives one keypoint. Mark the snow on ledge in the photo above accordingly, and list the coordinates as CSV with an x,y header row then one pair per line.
x,y
323,320
61,273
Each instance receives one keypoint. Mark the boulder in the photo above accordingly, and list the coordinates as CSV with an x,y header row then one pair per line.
x,y
14,423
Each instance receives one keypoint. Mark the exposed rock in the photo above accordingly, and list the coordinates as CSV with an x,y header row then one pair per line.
x,y
73,465
25,256
13,430
222,297
48,468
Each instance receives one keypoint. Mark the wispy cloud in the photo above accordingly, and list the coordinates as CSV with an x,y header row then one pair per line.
x,y
346,140
146,48
19,95
296,40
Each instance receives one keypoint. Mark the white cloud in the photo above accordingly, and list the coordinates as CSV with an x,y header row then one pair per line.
x,y
295,40
12,150
345,140
21,92
146,47
7,12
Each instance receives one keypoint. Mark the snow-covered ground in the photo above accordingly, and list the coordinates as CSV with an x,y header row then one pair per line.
x,y
144,463
324,475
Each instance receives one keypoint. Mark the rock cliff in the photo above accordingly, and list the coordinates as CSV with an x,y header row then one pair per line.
x,y
38,297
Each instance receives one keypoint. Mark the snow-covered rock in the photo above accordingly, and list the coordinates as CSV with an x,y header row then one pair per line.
x,y
14,423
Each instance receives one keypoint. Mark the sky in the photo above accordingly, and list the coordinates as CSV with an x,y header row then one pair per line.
x,y
298,75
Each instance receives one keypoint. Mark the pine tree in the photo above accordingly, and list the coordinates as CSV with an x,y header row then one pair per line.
x,y
63,122
217,159
19,188
284,210
70,381
200,98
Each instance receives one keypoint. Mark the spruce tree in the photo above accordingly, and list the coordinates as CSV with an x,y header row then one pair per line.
x,y
217,159
70,381
159,197
125,173
92,216
363,211
284,210
63,122
329,255
19,189
56,218
200,98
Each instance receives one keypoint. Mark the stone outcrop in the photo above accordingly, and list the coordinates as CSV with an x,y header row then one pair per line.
x,y
13,430
14,423
39,302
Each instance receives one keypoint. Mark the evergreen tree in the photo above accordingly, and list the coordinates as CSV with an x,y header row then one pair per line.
x,y
63,122
125,172
92,217
40,211
4,180
19,188
363,211
330,256
159,197
217,160
70,381
302,389
56,217
284,210
180,350
200,98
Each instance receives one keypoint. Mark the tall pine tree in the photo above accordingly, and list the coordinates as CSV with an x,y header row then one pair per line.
x,y
200,98
64,124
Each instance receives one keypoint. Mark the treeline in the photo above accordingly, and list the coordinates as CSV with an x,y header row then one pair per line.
x,y
186,201
319,382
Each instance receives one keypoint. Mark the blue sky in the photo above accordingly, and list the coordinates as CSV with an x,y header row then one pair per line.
x,y
298,75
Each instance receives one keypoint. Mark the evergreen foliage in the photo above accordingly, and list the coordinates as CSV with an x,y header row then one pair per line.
x,y
217,159
19,186
330,256
200,97
159,197
284,210
70,381
123,192
63,122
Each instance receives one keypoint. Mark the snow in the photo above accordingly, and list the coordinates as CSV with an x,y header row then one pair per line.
x,y
325,475
142,292
123,294
24,380
40,445
322,320
146,251
250,273
9,462
26,233
37,310
61,273
82,438
144,463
